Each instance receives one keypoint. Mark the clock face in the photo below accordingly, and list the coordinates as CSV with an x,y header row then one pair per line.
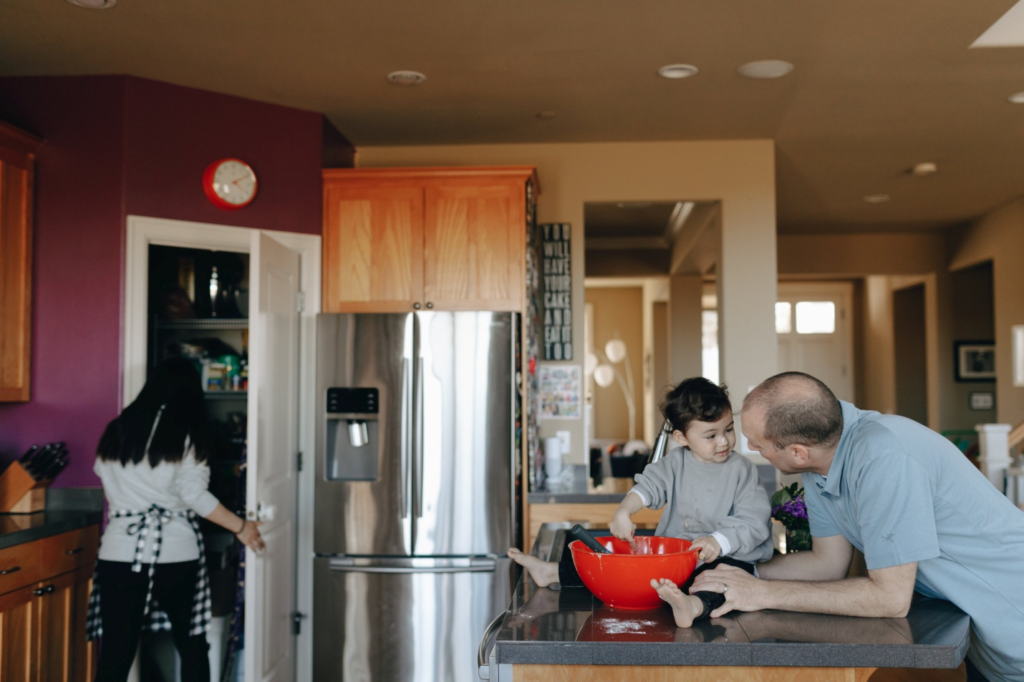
x,y
229,183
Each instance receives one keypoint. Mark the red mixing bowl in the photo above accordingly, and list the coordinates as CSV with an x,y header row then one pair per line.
x,y
622,579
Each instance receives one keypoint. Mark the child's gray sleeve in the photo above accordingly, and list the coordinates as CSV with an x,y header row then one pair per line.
x,y
657,479
749,525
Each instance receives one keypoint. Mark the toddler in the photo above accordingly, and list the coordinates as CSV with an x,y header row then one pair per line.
x,y
710,494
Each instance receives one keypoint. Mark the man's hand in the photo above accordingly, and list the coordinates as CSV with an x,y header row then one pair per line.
x,y
709,548
622,527
742,591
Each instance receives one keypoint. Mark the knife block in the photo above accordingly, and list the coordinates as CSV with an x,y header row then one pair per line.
x,y
20,493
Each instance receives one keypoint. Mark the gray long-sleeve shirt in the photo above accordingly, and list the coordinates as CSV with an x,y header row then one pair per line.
x,y
701,498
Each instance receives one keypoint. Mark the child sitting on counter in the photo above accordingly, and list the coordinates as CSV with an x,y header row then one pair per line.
x,y
711,495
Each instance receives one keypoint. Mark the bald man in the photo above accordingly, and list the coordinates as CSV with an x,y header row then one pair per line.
x,y
925,518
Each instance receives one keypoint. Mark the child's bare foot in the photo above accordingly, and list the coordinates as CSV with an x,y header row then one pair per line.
x,y
544,573
685,607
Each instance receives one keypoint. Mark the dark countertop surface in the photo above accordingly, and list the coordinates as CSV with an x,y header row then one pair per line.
x,y
66,510
572,627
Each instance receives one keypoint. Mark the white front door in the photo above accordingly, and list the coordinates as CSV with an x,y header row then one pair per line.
x,y
814,328
272,451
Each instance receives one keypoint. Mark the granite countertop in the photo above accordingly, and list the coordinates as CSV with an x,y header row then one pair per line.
x,y
573,488
572,627
67,509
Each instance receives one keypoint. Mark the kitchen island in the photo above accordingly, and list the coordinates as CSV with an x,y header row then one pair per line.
x,y
570,635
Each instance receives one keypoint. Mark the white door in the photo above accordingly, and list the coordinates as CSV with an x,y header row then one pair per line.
x,y
814,328
272,449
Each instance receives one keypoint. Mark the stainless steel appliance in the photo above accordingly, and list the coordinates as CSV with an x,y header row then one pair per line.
x,y
415,492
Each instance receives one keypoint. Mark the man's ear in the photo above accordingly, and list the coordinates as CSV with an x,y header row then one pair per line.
x,y
801,454
680,439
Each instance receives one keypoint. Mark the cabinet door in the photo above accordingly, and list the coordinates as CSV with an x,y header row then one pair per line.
x,y
474,241
58,619
15,272
17,640
373,247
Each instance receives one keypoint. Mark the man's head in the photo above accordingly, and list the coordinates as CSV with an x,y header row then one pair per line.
x,y
794,421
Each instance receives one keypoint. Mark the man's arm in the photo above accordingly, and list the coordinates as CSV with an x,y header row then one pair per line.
x,y
885,593
829,559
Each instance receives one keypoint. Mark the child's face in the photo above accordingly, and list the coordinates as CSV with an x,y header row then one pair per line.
x,y
709,441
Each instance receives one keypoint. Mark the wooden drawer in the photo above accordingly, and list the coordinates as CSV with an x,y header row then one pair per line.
x,y
19,565
68,551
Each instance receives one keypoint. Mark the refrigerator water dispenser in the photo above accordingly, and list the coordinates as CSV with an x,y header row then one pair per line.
x,y
353,441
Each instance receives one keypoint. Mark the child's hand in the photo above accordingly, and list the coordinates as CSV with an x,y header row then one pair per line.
x,y
622,527
709,548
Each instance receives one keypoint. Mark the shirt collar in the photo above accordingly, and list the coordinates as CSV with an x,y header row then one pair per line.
x,y
830,484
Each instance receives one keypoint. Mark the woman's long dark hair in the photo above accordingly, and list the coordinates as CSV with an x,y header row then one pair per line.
x,y
176,387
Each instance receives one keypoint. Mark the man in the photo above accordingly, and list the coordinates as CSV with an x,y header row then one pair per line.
x,y
923,516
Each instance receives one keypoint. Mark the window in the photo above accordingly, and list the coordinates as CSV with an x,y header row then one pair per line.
x,y
783,318
815,317
709,345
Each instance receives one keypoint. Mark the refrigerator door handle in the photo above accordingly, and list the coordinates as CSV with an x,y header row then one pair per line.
x,y
413,565
408,431
417,464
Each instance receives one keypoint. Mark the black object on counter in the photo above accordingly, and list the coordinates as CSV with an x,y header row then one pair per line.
x,y
46,462
581,534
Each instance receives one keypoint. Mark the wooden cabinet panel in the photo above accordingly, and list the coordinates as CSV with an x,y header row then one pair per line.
x,y
474,241
68,551
400,239
373,248
19,566
16,636
15,274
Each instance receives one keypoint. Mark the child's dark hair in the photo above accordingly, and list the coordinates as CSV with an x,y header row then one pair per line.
x,y
695,399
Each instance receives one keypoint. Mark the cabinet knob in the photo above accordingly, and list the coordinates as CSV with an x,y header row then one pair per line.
x,y
40,591
429,304
77,550
417,305
13,569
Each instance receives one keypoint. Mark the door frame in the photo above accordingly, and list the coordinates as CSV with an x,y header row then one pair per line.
x,y
144,231
843,292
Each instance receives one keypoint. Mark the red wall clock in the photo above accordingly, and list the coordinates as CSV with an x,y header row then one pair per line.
x,y
230,184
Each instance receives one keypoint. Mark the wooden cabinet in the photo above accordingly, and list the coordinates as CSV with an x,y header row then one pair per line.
x,y
42,624
398,239
17,157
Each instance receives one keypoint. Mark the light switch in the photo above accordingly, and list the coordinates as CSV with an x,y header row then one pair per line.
x,y
564,436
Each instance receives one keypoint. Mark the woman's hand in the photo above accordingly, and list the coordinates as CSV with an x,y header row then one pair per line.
x,y
250,536
709,548
622,527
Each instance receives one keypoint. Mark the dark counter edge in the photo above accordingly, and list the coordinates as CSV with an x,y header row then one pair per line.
x,y
947,655
67,509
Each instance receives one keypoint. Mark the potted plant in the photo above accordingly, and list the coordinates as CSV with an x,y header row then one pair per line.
x,y
789,509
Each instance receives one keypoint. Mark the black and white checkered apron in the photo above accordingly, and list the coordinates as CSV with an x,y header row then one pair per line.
x,y
152,521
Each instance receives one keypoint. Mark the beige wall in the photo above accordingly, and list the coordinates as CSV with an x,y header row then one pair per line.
x,y
740,174
686,321
999,237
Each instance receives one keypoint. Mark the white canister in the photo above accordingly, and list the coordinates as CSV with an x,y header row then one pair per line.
x,y
553,457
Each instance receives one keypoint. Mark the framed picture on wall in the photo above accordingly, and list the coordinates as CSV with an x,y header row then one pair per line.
x,y
974,360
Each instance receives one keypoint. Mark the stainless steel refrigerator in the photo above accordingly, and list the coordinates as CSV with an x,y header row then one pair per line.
x,y
415,492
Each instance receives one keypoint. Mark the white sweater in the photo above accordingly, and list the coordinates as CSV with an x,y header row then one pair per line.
x,y
175,486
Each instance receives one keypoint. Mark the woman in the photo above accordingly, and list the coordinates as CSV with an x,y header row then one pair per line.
x,y
152,462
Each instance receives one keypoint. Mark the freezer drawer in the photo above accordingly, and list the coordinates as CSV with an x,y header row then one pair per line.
x,y
404,620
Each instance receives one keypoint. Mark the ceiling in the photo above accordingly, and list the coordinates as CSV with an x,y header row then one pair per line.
x,y
879,85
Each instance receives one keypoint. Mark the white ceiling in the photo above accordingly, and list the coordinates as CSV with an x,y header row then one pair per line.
x,y
879,85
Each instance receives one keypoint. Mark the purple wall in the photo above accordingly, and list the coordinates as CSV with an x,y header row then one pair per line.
x,y
118,146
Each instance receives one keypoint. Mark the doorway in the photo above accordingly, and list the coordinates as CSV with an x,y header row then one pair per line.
x,y
278,584
909,340
815,332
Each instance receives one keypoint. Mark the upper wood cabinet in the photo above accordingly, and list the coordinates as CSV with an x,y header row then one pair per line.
x,y
398,239
17,159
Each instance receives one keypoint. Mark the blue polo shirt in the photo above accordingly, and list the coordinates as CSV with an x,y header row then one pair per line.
x,y
899,492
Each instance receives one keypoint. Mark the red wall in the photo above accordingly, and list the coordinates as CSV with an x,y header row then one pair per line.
x,y
118,146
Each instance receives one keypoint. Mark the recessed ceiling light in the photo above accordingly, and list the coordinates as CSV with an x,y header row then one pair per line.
x,y
406,77
1016,98
876,198
94,4
546,115
924,168
766,68
677,71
